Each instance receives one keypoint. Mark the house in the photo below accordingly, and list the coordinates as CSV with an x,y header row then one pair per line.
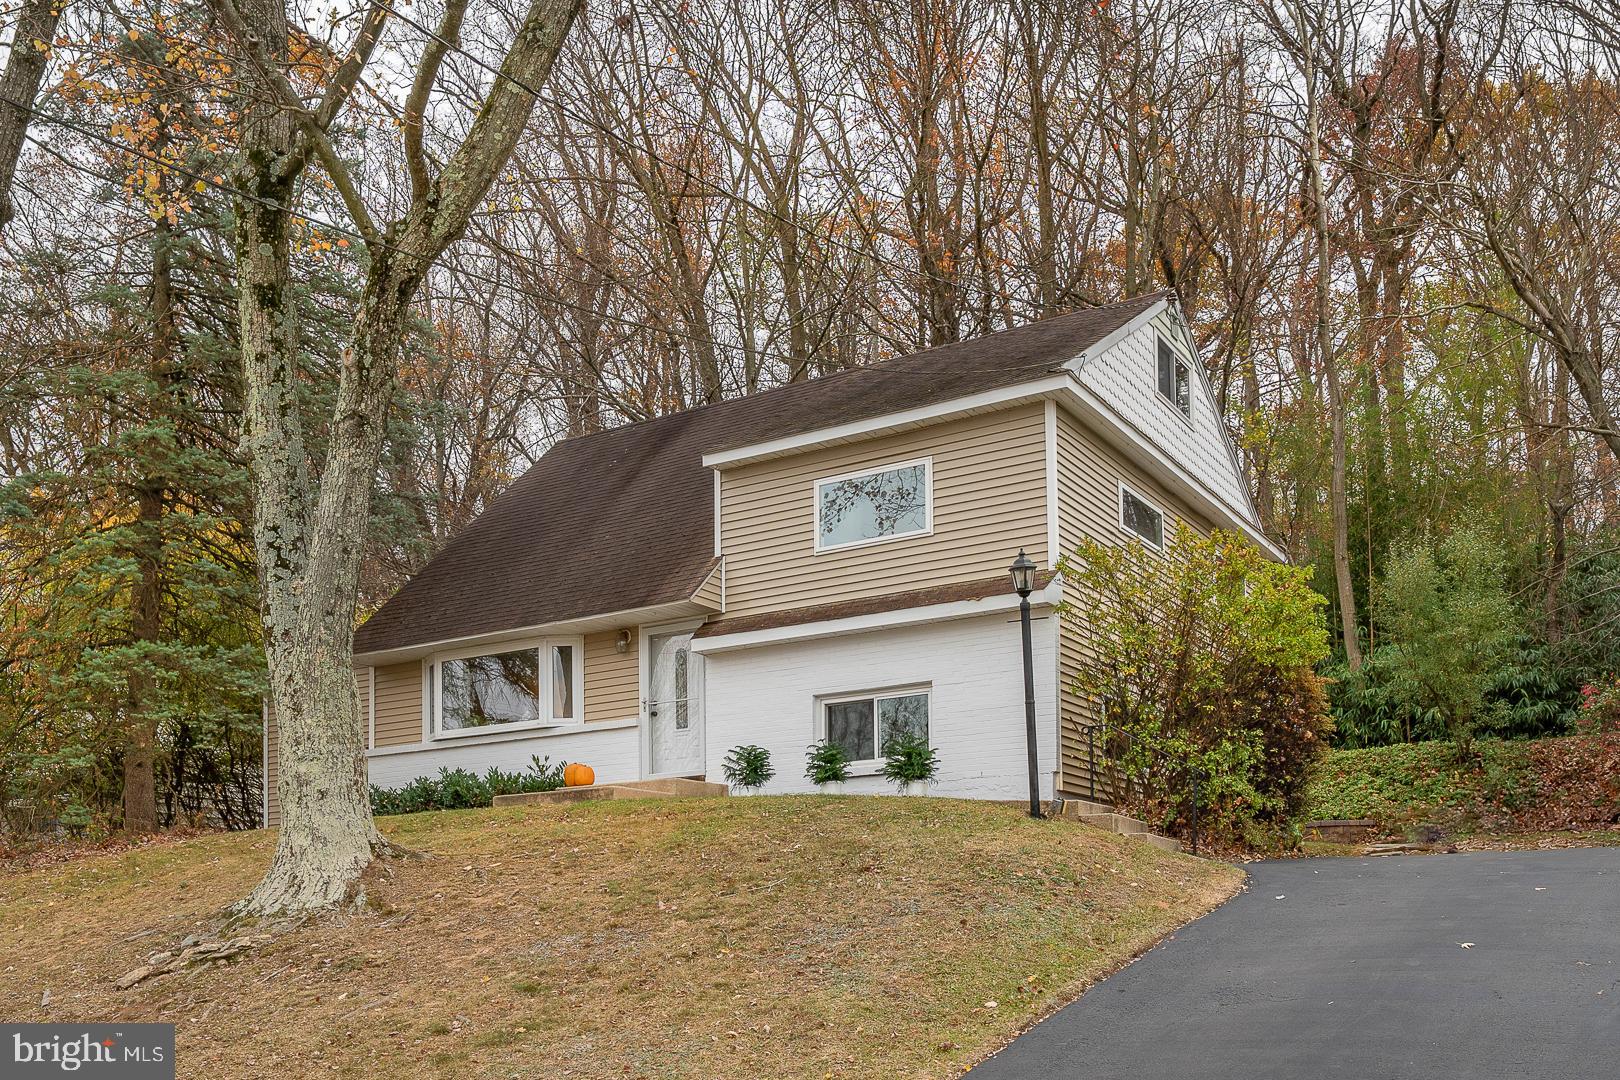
x,y
827,560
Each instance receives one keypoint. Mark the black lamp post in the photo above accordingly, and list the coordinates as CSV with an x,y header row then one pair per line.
x,y
1023,579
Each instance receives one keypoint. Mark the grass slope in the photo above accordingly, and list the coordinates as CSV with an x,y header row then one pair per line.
x,y
766,937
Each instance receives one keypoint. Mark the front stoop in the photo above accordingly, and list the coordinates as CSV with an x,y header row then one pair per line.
x,y
677,788
1103,816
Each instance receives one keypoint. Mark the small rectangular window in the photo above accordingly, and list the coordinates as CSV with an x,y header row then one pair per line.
x,y
562,682
863,726
878,504
1175,379
1141,517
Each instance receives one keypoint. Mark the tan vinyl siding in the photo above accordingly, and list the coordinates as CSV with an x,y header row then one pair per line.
x,y
989,497
399,704
272,803
1089,475
710,593
612,678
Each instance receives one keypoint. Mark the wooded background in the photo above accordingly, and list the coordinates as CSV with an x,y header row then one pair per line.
x,y
1395,229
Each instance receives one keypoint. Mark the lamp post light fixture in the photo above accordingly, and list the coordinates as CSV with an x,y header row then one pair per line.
x,y
1023,581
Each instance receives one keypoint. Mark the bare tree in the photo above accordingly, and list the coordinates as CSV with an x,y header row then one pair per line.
x,y
31,41
308,531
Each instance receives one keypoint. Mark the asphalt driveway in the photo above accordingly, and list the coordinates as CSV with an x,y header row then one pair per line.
x,y
1356,968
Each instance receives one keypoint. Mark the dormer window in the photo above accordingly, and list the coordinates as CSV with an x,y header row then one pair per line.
x,y
1175,379
875,505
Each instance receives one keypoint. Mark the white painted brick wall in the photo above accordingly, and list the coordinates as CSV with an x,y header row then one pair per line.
x,y
767,696
614,754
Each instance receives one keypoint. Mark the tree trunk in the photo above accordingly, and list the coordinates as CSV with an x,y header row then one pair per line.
x,y
19,86
146,611
1330,369
310,538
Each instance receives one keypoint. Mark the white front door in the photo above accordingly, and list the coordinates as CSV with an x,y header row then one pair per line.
x,y
674,707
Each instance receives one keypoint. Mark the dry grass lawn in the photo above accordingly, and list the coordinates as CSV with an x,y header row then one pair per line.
x,y
747,938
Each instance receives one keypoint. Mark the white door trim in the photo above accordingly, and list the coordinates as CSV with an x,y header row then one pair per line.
x,y
644,681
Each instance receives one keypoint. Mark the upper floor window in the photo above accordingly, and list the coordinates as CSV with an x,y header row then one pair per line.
x,y
533,686
1141,517
874,505
1175,379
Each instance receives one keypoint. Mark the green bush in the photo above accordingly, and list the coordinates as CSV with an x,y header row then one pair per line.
x,y
1449,623
1205,655
826,763
458,789
1411,782
908,759
748,768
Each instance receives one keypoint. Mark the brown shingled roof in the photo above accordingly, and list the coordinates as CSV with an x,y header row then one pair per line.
x,y
624,519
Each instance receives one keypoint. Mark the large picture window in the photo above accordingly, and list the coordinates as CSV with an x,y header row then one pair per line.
x,y
875,505
863,724
532,686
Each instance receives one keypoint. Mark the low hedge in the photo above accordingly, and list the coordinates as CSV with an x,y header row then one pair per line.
x,y
458,789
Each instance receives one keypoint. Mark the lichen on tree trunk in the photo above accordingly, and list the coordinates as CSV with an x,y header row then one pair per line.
x,y
310,536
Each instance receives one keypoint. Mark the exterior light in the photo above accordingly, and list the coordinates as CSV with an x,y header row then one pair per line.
x,y
1023,582
1023,574
622,644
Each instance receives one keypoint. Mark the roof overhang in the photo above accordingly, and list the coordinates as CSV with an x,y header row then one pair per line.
x,y
1101,419
989,401
613,620
1007,602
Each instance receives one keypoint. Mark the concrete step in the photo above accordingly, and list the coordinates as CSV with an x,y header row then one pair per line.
x,y
676,788
1073,808
1115,823
1163,843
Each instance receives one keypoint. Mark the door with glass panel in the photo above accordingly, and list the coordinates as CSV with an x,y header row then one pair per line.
x,y
674,707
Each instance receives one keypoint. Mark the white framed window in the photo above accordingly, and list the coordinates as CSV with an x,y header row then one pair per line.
x,y
527,685
864,723
1175,379
1141,518
872,506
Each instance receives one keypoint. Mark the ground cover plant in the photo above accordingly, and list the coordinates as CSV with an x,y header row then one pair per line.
x,y
1504,786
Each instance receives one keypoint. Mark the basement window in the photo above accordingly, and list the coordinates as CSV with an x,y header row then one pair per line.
x,y
534,685
1138,516
1175,379
863,724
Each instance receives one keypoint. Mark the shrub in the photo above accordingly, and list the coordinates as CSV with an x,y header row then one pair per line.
x,y
1600,708
458,789
1449,622
748,767
908,759
1205,656
826,763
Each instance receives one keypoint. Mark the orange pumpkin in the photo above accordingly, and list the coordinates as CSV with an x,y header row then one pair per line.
x,y
577,775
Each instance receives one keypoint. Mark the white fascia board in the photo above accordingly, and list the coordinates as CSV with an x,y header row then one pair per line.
x,y
881,620
1162,467
896,421
1232,455
611,620
1102,345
